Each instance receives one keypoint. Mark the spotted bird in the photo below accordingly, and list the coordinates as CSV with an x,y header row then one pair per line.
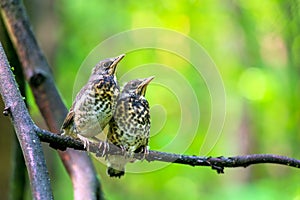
x,y
130,126
95,103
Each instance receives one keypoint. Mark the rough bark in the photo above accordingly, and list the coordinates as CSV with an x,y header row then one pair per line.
x,y
24,127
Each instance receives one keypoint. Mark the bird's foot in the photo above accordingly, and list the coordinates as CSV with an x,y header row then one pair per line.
x,y
145,152
85,141
62,132
124,152
105,148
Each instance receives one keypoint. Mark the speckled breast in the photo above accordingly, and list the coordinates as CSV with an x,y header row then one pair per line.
x,y
98,107
131,125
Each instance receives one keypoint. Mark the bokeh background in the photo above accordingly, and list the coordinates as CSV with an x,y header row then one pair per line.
x,y
255,46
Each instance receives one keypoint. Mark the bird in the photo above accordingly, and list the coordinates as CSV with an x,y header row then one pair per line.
x,y
130,126
94,104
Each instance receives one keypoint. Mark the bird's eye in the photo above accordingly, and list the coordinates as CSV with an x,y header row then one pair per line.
x,y
107,64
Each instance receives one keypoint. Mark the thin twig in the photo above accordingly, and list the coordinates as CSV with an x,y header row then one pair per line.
x,y
216,163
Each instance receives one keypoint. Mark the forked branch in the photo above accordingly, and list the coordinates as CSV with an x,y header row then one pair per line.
x,y
24,127
38,74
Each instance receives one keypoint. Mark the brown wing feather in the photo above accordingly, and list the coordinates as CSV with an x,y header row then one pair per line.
x,y
70,116
68,120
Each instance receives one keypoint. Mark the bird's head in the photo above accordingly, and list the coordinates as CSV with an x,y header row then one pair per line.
x,y
107,66
137,86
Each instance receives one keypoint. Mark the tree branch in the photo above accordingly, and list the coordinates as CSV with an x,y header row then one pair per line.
x,y
18,176
216,163
24,126
37,72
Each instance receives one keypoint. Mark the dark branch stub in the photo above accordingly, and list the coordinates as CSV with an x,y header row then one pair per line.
x,y
37,79
219,169
6,111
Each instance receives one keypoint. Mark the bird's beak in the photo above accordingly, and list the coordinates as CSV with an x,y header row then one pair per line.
x,y
144,85
115,63
147,80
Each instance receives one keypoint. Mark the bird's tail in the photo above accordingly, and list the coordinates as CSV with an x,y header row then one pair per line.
x,y
112,172
116,165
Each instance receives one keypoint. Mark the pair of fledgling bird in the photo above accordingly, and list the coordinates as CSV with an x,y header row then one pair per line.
x,y
100,103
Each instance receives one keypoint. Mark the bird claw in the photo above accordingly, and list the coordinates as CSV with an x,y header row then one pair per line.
x,y
86,145
86,142
124,152
105,149
145,152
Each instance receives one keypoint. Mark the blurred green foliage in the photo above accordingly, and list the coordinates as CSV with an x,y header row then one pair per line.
x,y
255,46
